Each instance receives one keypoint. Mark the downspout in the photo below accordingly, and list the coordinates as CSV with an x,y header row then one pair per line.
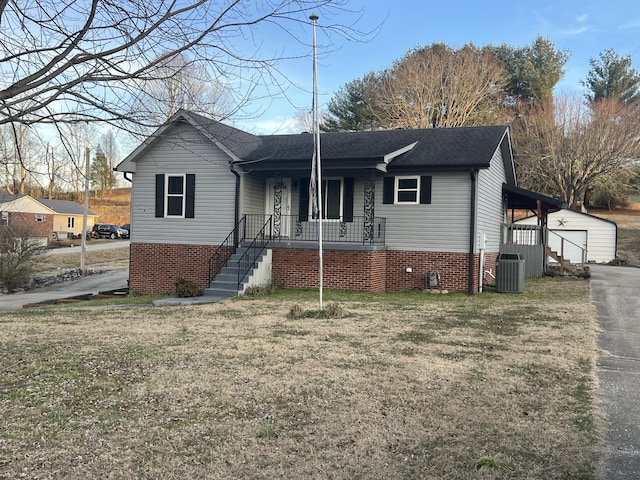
x,y
472,227
236,211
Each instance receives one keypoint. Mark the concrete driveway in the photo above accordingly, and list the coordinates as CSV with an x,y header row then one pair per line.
x,y
615,292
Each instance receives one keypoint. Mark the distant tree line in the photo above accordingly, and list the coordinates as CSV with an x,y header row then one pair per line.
x,y
582,150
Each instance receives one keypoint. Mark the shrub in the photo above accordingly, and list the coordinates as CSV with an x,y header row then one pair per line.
x,y
18,255
186,288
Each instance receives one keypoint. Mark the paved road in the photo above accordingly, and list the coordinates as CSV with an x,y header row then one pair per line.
x,y
615,291
90,284
90,247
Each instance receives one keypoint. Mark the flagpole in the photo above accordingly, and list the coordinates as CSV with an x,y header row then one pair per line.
x,y
318,165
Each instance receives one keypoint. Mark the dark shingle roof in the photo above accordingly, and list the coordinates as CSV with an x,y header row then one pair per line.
x,y
64,206
10,197
434,147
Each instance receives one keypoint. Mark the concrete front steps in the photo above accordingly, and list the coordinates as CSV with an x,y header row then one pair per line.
x,y
225,285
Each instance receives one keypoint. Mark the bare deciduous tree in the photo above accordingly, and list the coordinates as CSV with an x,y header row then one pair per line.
x,y
18,152
183,84
72,60
577,144
437,86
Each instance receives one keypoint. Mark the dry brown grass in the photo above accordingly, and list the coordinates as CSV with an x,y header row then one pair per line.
x,y
628,221
398,386
112,207
111,259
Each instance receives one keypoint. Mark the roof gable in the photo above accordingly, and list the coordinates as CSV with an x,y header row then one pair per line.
x,y
433,148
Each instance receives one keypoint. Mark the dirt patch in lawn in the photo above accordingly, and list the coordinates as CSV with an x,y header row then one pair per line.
x,y
395,386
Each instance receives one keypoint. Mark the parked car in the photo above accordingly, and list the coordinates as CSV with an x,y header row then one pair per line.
x,y
108,230
127,227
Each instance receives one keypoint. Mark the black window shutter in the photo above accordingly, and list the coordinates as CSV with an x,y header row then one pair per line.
x,y
387,189
160,195
189,209
303,207
347,208
425,190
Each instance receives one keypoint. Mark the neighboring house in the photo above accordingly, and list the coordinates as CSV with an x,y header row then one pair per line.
x,y
43,216
580,237
397,204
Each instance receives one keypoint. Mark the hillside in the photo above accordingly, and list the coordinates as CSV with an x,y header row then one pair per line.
x,y
113,207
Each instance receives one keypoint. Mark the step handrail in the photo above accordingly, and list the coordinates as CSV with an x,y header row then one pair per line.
x,y
562,240
249,258
227,248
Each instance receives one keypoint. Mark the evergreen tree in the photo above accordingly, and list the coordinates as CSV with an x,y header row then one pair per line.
x,y
101,175
351,107
612,77
534,70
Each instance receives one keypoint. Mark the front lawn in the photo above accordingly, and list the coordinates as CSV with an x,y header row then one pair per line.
x,y
393,386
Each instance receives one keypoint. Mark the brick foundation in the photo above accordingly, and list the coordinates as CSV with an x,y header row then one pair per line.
x,y
342,269
375,271
452,270
154,268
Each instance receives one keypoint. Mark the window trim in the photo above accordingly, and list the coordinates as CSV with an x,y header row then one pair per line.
x,y
40,217
168,195
71,222
397,190
188,204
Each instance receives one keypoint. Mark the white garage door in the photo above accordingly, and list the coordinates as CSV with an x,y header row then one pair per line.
x,y
574,239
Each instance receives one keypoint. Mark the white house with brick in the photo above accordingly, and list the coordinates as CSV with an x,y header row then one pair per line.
x,y
396,205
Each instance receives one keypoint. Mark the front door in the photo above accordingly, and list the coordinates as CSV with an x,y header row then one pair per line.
x,y
278,204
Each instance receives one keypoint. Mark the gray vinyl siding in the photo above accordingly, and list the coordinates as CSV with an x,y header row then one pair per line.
x,y
442,226
490,206
184,151
253,195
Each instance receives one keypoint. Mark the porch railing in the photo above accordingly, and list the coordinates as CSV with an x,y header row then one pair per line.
x,y
529,235
227,248
522,234
292,228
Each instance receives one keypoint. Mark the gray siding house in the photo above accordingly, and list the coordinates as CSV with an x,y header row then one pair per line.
x,y
399,206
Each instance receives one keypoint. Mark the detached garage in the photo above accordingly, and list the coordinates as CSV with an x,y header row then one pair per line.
x,y
598,236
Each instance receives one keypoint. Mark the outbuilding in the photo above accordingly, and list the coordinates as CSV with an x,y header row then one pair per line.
x,y
575,232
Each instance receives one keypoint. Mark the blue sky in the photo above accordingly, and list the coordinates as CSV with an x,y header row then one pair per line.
x,y
583,28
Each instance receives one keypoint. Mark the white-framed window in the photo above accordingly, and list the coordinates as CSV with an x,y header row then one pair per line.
x,y
332,199
175,195
71,222
39,217
4,219
175,201
407,190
